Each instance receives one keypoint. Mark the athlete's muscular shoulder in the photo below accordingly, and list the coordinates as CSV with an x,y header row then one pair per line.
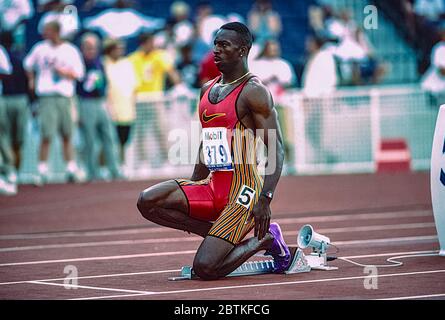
x,y
204,88
256,100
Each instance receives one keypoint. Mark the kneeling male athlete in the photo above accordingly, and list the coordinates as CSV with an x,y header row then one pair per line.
x,y
226,197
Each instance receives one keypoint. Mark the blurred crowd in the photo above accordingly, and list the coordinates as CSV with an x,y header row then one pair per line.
x,y
81,74
422,22
95,72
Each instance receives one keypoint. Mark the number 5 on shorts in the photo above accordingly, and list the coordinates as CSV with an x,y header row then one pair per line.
x,y
246,196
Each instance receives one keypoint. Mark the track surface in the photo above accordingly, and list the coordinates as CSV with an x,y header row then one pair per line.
x,y
118,255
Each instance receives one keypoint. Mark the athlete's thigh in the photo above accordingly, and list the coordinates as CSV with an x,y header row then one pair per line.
x,y
200,199
167,195
233,224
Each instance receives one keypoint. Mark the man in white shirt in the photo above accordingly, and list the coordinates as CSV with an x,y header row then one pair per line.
x,y
53,66
319,81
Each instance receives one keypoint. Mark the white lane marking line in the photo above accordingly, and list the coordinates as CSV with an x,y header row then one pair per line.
x,y
196,238
92,288
415,297
361,216
272,284
156,254
403,226
320,218
178,270
389,254
111,275
101,243
128,256
69,234
386,241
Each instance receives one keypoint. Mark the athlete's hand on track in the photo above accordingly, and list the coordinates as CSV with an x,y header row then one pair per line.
x,y
261,214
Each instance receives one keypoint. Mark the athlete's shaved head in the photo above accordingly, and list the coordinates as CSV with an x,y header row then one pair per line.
x,y
243,32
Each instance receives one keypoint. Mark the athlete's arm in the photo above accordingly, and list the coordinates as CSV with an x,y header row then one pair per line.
x,y
260,104
200,171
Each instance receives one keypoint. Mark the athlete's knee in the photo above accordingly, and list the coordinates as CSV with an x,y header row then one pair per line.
x,y
147,202
205,269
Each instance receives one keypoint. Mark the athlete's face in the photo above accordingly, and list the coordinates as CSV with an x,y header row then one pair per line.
x,y
227,49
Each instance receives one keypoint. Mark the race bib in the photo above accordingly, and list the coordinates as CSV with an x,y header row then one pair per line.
x,y
217,155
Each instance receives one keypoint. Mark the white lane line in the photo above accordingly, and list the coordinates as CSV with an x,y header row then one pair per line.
x,y
92,288
101,243
178,270
270,284
361,216
390,254
99,233
386,241
415,297
402,226
111,275
196,238
128,256
306,219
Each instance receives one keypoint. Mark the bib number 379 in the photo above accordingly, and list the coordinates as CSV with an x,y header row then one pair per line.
x,y
216,148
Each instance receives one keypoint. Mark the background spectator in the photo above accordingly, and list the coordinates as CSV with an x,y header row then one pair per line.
x,y
6,187
182,27
15,98
278,75
431,10
434,79
152,66
13,19
319,82
94,120
53,66
187,67
207,22
121,91
264,22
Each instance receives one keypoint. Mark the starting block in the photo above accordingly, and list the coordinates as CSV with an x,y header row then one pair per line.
x,y
299,264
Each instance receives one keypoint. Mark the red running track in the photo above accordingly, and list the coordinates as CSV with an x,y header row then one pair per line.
x,y
97,229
